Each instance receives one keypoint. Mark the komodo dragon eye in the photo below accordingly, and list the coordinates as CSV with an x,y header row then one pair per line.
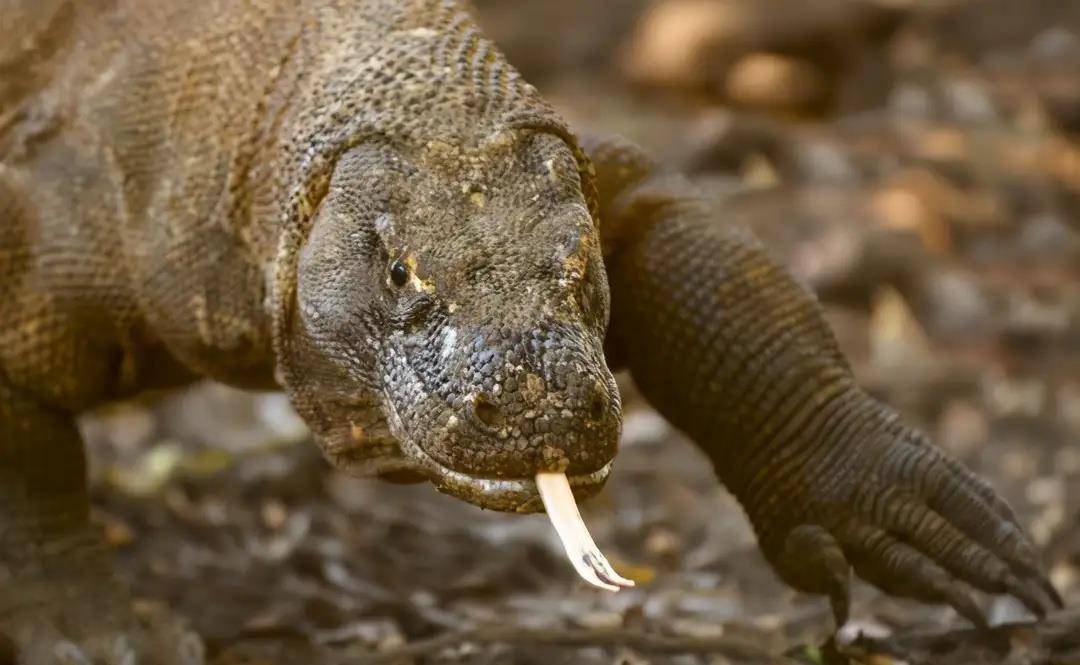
x,y
399,272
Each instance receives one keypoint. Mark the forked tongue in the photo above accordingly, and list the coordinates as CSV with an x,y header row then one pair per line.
x,y
561,508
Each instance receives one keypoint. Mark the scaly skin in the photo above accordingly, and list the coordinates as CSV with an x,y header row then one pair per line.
x,y
360,201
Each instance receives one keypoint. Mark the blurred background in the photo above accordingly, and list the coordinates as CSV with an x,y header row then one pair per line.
x,y
917,162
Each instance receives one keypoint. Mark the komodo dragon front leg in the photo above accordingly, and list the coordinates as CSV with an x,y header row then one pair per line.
x,y
60,600
734,352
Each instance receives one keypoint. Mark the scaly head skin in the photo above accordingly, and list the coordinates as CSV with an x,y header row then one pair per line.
x,y
443,310
464,287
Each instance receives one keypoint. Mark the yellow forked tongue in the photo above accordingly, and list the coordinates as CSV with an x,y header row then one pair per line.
x,y
562,510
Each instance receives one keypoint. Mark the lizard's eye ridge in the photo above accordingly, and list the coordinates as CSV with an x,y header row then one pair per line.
x,y
399,273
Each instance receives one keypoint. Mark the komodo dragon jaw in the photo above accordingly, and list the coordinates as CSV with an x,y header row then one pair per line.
x,y
453,329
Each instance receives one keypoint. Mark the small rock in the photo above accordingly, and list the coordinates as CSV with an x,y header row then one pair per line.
x,y
663,542
759,173
963,428
856,628
643,426
701,630
906,206
954,304
944,144
599,620
968,101
151,471
910,101
1064,576
1007,396
1045,234
274,513
118,533
1056,43
1046,490
826,162
1006,609
128,427
716,605
1047,522
1019,465
896,338
676,42
774,82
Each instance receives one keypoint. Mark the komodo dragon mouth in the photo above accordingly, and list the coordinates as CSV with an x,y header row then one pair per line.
x,y
554,492
401,458
518,495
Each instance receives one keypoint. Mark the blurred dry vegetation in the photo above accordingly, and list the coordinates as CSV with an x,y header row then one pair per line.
x,y
916,161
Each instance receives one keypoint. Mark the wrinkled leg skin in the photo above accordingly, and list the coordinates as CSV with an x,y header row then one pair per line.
x,y
733,351
59,600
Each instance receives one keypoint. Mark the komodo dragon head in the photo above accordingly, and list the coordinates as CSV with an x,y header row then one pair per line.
x,y
450,310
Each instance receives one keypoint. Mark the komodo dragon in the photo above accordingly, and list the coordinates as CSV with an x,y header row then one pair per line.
x,y
362,203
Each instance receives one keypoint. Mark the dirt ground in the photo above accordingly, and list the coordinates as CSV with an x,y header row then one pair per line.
x,y
916,161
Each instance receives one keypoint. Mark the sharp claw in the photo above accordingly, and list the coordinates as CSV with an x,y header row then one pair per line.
x,y
1050,591
972,612
841,607
815,551
1029,595
840,595
1024,563
956,594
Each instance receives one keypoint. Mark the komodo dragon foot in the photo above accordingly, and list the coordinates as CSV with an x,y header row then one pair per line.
x,y
59,600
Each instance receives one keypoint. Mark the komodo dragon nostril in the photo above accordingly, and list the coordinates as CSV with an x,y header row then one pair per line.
x,y
487,411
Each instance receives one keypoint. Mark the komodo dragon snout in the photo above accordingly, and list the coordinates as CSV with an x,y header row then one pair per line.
x,y
452,304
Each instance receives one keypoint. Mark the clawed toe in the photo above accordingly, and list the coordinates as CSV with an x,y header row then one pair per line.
x,y
948,568
814,561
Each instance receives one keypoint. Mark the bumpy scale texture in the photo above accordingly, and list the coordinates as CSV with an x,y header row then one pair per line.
x,y
360,201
